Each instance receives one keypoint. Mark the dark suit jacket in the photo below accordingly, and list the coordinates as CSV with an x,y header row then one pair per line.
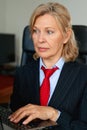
x,y
69,97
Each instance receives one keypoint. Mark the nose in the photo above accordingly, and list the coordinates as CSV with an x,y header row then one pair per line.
x,y
41,37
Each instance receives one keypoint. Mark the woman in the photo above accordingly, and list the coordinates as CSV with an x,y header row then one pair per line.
x,y
55,46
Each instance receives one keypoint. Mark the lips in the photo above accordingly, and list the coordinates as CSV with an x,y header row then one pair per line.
x,y
42,49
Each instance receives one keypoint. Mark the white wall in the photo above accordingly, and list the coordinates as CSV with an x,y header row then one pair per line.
x,y
15,14
2,15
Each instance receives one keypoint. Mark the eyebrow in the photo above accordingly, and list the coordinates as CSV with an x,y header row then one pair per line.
x,y
45,27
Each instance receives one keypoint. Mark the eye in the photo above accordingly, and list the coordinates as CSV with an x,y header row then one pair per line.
x,y
50,32
35,31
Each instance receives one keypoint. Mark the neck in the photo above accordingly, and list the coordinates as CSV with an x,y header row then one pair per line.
x,y
49,63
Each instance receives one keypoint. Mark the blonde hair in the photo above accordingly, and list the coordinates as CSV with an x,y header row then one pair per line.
x,y
61,14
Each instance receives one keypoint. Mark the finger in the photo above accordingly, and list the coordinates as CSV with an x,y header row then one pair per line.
x,y
15,117
20,113
20,116
16,113
29,119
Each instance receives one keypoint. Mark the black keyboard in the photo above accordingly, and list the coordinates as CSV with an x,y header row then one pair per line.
x,y
5,112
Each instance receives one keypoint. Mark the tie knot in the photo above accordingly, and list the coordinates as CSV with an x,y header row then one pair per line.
x,y
48,72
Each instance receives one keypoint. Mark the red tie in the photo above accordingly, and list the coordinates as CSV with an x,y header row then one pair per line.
x,y
45,87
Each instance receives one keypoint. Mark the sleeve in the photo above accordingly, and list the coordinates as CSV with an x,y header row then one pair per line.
x,y
15,100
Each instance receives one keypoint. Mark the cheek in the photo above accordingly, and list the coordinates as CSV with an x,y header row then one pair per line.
x,y
34,40
56,42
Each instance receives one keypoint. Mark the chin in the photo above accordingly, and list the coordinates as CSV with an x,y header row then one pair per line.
x,y
43,55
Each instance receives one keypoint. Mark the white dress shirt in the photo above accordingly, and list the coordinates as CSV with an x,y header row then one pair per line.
x,y
54,77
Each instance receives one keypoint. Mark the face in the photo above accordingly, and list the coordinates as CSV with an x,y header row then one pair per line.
x,y
47,37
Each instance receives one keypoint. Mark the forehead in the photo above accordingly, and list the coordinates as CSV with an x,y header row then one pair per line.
x,y
46,20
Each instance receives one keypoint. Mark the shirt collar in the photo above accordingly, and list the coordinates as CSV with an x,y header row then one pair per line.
x,y
59,63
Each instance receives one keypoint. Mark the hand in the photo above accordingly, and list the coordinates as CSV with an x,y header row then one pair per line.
x,y
32,112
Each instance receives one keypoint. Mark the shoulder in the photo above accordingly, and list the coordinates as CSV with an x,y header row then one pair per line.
x,y
82,68
30,67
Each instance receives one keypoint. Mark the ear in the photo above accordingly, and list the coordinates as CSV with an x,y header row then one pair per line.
x,y
67,36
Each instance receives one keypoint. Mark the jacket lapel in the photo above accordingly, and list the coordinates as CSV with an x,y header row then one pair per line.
x,y
68,74
35,76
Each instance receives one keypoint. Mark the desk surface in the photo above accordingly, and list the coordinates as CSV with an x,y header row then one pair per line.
x,y
6,87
